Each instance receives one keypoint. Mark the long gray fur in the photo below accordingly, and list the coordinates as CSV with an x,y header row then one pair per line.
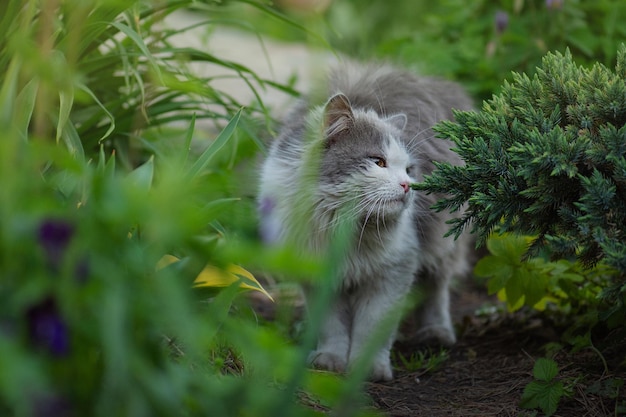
x,y
352,159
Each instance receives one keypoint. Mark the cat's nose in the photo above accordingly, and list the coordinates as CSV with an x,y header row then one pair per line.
x,y
405,186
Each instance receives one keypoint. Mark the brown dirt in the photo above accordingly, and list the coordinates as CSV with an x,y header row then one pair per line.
x,y
486,371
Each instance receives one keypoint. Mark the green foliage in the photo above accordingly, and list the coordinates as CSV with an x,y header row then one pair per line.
x,y
481,42
538,282
100,179
546,158
543,186
545,391
422,360
108,74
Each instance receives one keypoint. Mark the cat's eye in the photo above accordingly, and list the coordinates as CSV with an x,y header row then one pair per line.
x,y
379,161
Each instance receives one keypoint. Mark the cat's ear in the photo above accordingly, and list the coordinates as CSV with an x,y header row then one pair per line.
x,y
338,116
397,120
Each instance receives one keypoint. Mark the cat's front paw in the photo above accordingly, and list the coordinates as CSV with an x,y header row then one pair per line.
x,y
328,361
381,370
436,335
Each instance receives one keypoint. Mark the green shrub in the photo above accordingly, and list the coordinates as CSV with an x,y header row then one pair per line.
x,y
547,158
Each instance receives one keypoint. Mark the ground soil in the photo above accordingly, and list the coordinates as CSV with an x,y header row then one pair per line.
x,y
486,372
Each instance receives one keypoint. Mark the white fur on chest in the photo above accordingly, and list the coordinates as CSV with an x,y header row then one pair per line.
x,y
390,254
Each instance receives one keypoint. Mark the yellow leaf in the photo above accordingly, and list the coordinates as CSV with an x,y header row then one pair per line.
x,y
165,261
212,276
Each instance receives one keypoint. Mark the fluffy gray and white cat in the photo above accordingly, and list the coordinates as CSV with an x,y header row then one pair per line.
x,y
353,158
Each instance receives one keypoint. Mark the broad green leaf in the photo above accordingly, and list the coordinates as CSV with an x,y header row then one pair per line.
x,y
215,146
497,269
489,266
509,246
543,395
534,285
510,306
545,369
551,398
531,394
515,286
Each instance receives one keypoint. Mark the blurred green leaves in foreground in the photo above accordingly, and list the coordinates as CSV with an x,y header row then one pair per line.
x,y
102,174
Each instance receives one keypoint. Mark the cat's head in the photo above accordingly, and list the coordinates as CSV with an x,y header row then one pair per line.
x,y
364,163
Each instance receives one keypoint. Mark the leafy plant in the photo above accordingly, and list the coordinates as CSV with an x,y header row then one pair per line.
x,y
538,282
545,391
480,43
546,158
543,186
99,182
425,361
111,74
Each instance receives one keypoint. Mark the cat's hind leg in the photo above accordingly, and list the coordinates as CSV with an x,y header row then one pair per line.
x,y
433,312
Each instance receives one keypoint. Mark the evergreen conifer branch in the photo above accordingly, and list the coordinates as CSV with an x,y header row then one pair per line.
x,y
545,157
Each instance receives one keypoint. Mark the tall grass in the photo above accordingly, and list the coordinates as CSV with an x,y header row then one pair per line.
x,y
98,183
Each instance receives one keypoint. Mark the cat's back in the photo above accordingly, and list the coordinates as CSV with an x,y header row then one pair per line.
x,y
389,90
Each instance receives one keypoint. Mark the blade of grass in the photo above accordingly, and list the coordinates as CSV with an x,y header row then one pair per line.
x,y
72,140
104,109
215,146
66,101
188,138
134,36
24,106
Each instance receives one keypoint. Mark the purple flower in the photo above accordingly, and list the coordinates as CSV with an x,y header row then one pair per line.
x,y
501,21
46,328
54,237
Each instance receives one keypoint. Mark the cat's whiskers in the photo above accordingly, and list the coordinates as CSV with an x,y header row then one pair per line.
x,y
344,210
369,206
377,205
412,144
